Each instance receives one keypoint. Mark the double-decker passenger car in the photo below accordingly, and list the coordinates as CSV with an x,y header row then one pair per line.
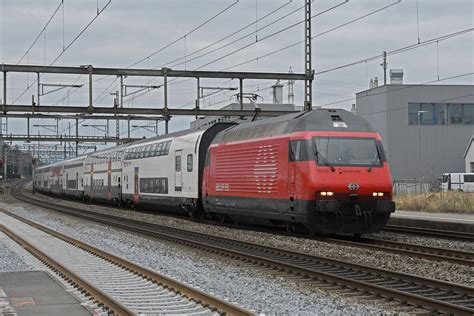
x,y
103,175
165,172
73,174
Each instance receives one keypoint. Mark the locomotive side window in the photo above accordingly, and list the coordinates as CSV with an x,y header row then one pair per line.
x,y
189,162
298,150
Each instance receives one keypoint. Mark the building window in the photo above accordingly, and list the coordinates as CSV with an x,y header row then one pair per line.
x,y
472,166
440,113
461,113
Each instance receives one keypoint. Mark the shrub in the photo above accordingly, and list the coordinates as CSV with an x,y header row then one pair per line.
x,y
441,202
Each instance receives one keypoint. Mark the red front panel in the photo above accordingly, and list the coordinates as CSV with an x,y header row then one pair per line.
x,y
261,169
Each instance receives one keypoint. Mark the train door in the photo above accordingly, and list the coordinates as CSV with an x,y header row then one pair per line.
x,y
91,186
292,148
178,177
136,195
109,179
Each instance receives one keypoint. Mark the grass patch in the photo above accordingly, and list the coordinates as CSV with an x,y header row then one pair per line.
x,y
439,202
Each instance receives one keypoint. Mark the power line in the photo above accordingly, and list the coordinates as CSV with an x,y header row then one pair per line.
x,y
313,37
236,32
205,47
61,3
106,91
400,50
185,35
270,35
99,12
258,40
402,88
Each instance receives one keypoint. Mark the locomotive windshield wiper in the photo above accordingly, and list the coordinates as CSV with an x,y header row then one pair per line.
x,y
326,161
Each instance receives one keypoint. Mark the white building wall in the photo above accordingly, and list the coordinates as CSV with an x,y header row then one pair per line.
x,y
425,152
469,159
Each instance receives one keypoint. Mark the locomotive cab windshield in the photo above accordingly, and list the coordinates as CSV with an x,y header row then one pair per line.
x,y
348,151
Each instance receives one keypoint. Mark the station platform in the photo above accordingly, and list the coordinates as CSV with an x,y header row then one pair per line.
x,y
440,221
36,293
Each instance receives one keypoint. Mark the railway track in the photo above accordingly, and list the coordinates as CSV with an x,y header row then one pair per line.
x,y
413,250
430,232
433,295
119,286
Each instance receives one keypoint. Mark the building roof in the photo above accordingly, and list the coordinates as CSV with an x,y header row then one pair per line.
x,y
469,146
401,86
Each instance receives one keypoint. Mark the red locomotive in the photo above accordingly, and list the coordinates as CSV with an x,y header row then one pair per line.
x,y
323,171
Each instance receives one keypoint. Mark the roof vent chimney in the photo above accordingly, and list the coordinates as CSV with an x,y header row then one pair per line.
x,y
396,76
277,90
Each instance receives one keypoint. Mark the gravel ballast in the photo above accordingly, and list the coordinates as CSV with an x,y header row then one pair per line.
x,y
244,284
437,270
13,257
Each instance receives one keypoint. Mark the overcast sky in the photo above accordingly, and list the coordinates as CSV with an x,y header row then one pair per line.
x,y
128,31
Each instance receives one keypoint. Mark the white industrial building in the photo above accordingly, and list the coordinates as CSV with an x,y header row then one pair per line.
x,y
469,156
425,128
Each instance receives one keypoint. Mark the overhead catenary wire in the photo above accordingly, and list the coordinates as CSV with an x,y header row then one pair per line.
x,y
300,42
399,50
100,98
106,91
315,36
43,30
70,44
187,34
196,28
173,81
401,88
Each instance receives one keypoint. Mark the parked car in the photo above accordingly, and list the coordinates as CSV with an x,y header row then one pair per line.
x,y
458,182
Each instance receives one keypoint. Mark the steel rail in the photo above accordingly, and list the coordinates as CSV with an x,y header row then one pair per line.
x,y
420,251
207,300
97,296
430,232
377,281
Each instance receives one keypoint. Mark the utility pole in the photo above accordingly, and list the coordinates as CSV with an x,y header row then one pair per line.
x,y
308,68
384,65
291,89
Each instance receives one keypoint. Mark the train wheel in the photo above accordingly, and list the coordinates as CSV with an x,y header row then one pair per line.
x,y
290,227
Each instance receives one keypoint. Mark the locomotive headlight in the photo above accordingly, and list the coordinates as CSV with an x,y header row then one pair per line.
x,y
326,193
377,193
374,194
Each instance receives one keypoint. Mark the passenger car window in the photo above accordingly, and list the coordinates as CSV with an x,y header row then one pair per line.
x,y
189,163
178,163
